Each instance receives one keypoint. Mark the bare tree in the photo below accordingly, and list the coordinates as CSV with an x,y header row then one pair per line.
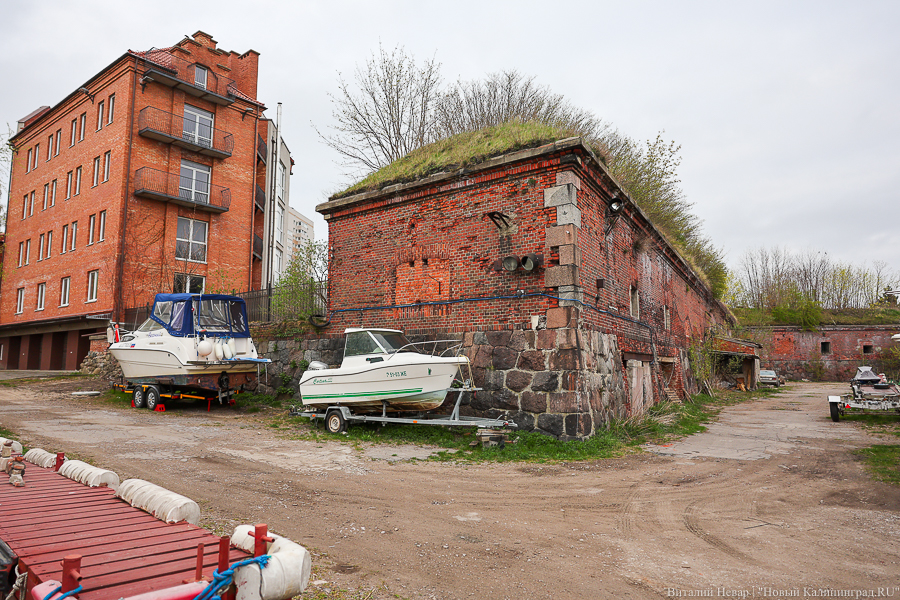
x,y
387,114
6,156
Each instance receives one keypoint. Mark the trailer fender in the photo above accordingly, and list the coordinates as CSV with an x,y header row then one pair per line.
x,y
835,399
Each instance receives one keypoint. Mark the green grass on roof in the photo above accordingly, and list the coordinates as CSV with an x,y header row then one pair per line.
x,y
459,151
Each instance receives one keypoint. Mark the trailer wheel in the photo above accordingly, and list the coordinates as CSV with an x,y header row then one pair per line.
x,y
835,411
152,397
335,422
139,399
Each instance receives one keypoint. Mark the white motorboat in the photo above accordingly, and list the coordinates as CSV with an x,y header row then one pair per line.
x,y
383,372
191,340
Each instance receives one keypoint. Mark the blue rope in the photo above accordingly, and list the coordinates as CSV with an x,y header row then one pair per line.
x,y
224,578
66,595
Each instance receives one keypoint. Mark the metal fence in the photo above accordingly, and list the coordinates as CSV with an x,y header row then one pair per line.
x,y
280,303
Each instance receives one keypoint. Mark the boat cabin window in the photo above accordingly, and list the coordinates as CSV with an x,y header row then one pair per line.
x,y
149,325
361,342
392,342
220,316
375,342
163,311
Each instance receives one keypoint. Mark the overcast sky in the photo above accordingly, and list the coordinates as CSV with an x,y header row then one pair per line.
x,y
787,113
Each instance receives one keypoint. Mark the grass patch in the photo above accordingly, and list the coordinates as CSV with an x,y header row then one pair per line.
x,y
252,403
663,423
749,317
883,462
457,152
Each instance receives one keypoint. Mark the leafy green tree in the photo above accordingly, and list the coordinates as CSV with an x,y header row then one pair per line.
x,y
302,288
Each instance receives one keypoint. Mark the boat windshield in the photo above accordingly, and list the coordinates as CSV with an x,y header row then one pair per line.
x,y
220,316
149,325
375,342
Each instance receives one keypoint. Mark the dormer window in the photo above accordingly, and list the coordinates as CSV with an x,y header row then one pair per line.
x,y
200,74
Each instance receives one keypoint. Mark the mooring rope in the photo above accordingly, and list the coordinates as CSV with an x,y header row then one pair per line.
x,y
224,578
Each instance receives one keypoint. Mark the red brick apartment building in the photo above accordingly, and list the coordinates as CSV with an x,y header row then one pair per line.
x,y
572,307
146,179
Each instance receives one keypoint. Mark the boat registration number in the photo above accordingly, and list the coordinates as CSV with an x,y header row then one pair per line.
x,y
396,374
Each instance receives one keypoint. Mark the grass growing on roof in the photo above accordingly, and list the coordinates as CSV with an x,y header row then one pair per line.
x,y
459,151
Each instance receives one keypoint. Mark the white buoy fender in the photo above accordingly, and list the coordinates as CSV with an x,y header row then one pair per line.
x,y
226,350
233,345
41,458
89,475
158,501
204,348
219,352
286,575
16,446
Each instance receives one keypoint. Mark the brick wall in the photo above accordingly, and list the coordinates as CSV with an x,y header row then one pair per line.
x,y
825,354
569,325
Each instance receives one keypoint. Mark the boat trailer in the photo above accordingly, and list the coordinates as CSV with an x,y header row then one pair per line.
x,y
338,417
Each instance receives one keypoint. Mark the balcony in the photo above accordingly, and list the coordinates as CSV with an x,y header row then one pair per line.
x,y
165,127
257,247
159,185
196,80
260,199
261,149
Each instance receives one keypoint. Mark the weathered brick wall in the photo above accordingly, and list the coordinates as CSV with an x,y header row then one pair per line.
x,y
438,241
798,354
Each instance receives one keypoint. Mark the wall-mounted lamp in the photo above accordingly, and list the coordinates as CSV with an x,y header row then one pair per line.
x,y
510,263
530,262
87,93
144,81
613,210
246,112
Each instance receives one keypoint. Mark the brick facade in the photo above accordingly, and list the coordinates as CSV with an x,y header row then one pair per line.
x,y
131,195
829,353
596,332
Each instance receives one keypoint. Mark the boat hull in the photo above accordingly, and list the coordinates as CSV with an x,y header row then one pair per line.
x,y
392,387
143,365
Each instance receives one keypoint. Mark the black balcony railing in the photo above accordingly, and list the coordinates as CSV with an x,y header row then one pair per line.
x,y
198,80
257,247
175,129
261,148
260,199
169,187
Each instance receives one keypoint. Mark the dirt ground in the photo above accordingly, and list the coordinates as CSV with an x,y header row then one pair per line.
x,y
770,501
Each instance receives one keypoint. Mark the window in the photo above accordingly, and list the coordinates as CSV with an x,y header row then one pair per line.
x,y
276,268
41,248
28,161
93,279
667,323
50,147
635,303
112,106
91,222
96,172
21,253
25,207
27,251
101,235
190,240
41,291
46,195
868,349
188,284
100,106
82,124
194,182
53,193
31,205
279,181
198,126
65,236
200,76
107,158
279,224
74,130
77,181
68,185
64,291
49,243
74,233
58,142
37,153
20,300
825,347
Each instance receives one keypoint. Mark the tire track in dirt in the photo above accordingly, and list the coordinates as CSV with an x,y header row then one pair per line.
x,y
692,521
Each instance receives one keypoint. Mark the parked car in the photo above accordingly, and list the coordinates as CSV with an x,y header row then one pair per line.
x,y
768,377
